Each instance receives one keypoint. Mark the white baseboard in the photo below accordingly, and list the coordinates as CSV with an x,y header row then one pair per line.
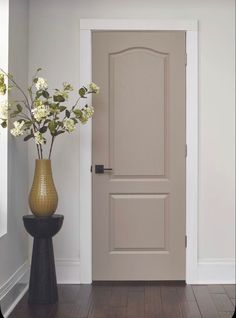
x,y
216,271
68,271
14,289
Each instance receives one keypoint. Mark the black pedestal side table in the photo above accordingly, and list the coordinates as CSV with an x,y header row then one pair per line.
x,y
43,283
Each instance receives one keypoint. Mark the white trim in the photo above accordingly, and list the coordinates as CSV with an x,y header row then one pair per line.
x,y
68,271
86,26
4,52
133,24
192,156
216,271
85,191
14,289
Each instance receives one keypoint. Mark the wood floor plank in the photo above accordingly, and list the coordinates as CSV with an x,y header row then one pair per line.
x,y
32,311
230,290
185,293
153,305
135,305
119,296
170,302
75,305
83,301
65,310
216,289
190,309
222,302
134,300
100,299
205,302
68,293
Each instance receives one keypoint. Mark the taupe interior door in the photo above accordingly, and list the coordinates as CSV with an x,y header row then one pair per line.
x,y
139,131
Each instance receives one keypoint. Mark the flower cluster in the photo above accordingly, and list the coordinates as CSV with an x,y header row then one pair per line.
x,y
69,125
4,108
39,139
3,86
41,84
18,129
87,112
94,88
42,113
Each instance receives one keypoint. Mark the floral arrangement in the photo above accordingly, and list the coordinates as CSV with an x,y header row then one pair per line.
x,y
40,112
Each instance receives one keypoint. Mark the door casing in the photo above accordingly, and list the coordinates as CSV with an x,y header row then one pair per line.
x,y
85,193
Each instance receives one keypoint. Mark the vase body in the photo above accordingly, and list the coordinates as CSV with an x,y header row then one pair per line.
x,y
43,197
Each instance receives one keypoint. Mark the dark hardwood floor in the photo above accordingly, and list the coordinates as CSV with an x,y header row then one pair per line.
x,y
135,300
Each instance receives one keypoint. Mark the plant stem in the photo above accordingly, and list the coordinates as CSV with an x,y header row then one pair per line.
x,y
50,151
41,151
38,150
20,89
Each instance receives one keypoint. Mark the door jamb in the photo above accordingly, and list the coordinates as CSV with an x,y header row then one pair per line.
x,y
85,193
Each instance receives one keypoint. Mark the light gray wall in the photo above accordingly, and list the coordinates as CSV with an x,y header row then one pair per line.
x,y
54,45
14,245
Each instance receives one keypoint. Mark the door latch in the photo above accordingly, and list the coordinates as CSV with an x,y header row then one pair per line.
x,y
101,169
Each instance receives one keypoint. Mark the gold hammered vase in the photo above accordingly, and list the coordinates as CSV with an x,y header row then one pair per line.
x,y
43,197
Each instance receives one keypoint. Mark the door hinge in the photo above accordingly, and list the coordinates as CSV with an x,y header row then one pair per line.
x,y
91,169
186,150
186,240
186,59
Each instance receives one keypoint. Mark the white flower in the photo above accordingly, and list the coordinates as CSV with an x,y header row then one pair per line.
x,y
4,108
3,87
63,94
69,125
88,111
41,84
67,86
40,112
18,129
39,139
94,88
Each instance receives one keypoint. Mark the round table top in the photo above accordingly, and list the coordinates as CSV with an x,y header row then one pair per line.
x,y
43,227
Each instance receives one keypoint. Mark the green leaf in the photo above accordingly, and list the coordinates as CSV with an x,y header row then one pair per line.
x,y
28,137
38,94
62,108
19,108
75,120
35,80
39,69
78,113
82,91
45,94
52,127
28,124
4,124
43,129
67,113
58,98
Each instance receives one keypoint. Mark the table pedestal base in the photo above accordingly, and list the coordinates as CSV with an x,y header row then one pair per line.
x,y
43,283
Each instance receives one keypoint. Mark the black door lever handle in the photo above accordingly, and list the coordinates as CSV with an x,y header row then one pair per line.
x,y
101,169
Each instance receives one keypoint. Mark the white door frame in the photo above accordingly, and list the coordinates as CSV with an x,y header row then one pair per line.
x,y
85,226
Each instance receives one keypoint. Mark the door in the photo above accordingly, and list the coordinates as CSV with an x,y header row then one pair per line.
x,y
139,132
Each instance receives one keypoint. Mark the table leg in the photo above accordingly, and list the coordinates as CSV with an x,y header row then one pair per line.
x,y
43,284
